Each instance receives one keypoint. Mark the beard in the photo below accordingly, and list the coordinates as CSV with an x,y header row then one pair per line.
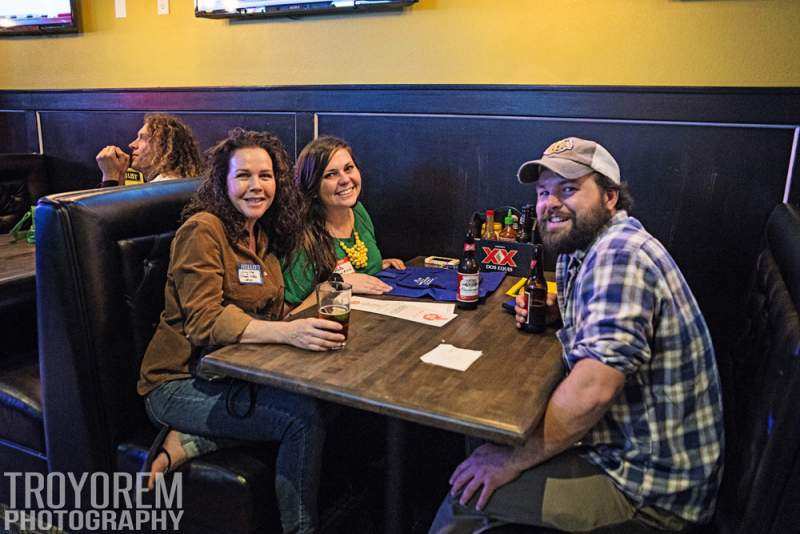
x,y
583,231
142,163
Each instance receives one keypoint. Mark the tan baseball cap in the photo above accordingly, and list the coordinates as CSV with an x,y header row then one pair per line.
x,y
571,158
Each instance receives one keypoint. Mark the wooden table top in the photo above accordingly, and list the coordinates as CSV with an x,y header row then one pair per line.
x,y
17,260
501,397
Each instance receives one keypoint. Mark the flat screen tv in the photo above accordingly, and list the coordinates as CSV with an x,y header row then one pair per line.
x,y
32,17
288,8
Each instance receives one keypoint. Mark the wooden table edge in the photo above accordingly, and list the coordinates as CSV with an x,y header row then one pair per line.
x,y
209,364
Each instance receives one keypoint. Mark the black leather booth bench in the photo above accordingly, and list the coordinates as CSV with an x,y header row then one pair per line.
x,y
761,484
101,263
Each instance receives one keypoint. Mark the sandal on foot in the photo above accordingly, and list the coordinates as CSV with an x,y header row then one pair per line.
x,y
156,449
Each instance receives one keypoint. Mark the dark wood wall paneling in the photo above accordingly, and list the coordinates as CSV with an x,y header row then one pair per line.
x,y
18,132
737,105
705,166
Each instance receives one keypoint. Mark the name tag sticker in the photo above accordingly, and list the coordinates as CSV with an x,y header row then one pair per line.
x,y
133,177
250,273
344,266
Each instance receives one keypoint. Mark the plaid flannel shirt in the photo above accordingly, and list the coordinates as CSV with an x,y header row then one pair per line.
x,y
625,303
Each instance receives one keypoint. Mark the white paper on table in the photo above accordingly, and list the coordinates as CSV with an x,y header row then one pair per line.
x,y
431,313
452,357
444,308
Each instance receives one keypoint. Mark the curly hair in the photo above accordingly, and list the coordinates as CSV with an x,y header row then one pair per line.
x,y
624,200
308,173
282,222
174,146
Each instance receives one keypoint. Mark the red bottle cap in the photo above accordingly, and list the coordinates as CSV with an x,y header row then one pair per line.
x,y
490,213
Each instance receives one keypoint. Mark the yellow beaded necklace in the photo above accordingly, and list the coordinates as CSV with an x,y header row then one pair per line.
x,y
358,253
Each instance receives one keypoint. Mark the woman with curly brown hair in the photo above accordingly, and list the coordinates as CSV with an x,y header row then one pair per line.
x,y
164,148
225,286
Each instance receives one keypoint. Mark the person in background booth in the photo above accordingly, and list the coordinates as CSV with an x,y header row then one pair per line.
x,y
164,148
339,235
632,438
225,286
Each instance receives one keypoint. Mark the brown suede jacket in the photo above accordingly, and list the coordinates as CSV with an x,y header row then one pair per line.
x,y
206,303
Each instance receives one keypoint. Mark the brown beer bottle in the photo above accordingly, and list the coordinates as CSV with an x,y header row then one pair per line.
x,y
526,224
536,295
468,276
536,236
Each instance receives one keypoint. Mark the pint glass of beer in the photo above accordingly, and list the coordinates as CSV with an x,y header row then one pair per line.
x,y
333,303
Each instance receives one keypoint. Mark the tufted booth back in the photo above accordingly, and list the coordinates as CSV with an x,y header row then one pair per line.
x,y
761,487
145,261
101,261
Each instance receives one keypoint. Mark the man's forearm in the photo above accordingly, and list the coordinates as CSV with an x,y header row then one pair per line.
x,y
576,405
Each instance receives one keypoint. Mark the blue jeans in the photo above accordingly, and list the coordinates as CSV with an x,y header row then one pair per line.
x,y
198,407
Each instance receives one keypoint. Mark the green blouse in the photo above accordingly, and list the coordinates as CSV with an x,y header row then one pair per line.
x,y
299,276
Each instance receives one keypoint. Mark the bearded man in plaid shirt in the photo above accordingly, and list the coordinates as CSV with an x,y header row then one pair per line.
x,y
632,438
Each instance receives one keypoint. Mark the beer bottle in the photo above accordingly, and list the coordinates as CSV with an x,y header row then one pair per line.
x,y
536,295
536,236
468,276
526,224
476,225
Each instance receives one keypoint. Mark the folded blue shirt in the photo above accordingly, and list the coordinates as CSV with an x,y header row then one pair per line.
x,y
434,282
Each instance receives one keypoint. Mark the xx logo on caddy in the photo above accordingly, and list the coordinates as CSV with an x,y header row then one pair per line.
x,y
499,256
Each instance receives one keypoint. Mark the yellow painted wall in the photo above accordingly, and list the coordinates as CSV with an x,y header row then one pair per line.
x,y
563,42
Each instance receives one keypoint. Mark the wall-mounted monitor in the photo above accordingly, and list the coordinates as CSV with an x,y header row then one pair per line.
x,y
288,8
32,17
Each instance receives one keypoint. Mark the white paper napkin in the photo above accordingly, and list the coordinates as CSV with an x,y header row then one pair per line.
x,y
451,357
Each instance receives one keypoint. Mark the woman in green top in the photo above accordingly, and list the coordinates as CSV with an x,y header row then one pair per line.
x,y
339,235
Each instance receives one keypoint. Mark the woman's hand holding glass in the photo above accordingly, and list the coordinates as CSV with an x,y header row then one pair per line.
x,y
314,334
310,334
